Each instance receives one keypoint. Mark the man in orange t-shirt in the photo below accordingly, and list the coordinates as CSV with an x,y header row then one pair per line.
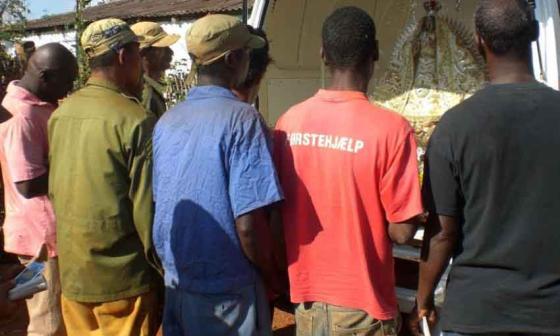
x,y
349,172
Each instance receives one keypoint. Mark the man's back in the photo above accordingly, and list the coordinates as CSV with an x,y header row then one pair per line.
x,y
100,185
347,168
212,165
29,222
501,146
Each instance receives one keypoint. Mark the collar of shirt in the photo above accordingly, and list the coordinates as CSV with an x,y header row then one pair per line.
x,y
103,83
154,84
109,86
207,91
339,96
18,93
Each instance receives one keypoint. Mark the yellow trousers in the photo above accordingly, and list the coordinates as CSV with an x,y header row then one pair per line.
x,y
135,316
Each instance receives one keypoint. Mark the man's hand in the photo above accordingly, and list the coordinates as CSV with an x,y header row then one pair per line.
x,y
7,275
416,316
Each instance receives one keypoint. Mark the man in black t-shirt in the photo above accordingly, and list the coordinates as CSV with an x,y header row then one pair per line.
x,y
492,186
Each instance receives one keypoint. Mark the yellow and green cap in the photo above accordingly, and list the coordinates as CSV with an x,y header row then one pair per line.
x,y
153,35
213,36
105,35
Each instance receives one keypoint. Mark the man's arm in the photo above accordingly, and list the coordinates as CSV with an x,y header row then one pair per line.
x,y
400,191
279,247
258,244
440,240
34,188
403,232
140,192
26,152
248,237
254,189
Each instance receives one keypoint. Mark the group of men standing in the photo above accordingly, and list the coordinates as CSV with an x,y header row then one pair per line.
x,y
208,197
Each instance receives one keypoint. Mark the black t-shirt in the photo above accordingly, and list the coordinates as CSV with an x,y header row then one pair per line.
x,y
494,163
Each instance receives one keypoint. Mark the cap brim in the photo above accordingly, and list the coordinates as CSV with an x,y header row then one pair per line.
x,y
167,41
256,42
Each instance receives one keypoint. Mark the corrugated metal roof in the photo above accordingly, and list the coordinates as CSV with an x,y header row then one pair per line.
x,y
140,9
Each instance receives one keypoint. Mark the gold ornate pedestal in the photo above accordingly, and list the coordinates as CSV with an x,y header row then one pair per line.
x,y
435,66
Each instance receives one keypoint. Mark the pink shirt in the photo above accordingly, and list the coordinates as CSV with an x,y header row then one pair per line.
x,y
24,151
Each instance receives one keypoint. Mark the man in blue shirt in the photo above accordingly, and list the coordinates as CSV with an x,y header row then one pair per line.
x,y
213,179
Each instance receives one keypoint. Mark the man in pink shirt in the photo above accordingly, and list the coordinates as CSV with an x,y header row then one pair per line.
x,y
30,221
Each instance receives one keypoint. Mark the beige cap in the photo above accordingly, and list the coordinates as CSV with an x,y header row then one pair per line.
x,y
213,36
105,35
153,35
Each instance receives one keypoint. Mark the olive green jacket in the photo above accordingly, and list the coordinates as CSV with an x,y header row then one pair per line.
x,y
100,184
153,97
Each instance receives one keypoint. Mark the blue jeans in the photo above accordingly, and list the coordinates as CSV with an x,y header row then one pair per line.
x,y
244,312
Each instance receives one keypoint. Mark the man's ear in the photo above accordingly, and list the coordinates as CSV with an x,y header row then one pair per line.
x,y
479,41
535,30
44,75
122,56
323,56
233,58
229,59
376,51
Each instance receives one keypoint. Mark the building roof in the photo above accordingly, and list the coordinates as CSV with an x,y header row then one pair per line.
x,y
133,10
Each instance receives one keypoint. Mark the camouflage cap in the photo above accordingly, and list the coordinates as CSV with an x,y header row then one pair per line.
x,y
213,36
105,35
153,35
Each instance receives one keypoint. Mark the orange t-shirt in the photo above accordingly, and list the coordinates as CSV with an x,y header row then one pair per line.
x,y
347,168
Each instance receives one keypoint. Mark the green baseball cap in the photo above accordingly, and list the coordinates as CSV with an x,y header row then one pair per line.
x,y
213,36
105,35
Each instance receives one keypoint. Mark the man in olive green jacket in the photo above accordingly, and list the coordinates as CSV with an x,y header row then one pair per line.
x,y
156,53
100,185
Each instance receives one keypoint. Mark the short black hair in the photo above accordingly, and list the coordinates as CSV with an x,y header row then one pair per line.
x,y
259,60
506,26
349,37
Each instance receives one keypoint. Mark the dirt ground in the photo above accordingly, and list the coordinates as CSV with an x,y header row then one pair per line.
x,y
283,323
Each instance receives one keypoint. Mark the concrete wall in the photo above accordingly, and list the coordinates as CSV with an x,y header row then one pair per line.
x,y
68,39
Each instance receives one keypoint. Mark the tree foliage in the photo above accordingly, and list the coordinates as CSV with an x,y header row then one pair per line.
x,y
12,11
12,18
80,26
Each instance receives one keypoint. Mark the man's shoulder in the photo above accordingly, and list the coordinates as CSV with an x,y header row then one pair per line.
x,y
103,103
22,108
462,114
297,111
386,117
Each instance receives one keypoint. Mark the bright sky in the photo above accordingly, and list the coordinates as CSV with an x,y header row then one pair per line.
x,y
39,8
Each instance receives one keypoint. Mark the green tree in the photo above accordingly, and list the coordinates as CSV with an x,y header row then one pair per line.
x,y
80,25
12,18
12,11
